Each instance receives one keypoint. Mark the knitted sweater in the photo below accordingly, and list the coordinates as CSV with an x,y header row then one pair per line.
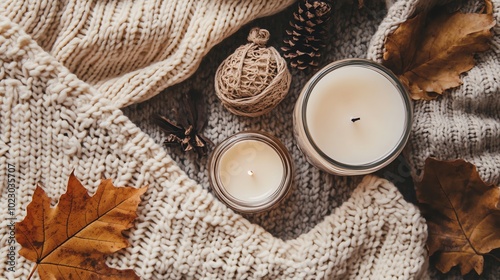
x,y
131,50
53,122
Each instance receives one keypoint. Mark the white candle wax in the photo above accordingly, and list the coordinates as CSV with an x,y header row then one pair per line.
x,y
251,170
355,115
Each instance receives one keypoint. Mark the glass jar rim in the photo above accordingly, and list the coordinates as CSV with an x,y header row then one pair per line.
x,y
265,203
386,73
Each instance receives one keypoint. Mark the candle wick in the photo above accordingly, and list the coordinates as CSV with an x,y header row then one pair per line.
x,y
355,119
250,172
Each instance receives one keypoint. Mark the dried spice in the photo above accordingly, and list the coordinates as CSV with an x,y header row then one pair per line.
x,y
191,121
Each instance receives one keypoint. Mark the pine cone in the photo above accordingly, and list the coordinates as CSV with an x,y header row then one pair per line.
x,y
304,41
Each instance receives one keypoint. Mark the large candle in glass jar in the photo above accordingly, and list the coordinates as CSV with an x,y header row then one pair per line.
x,y
353,117
250,171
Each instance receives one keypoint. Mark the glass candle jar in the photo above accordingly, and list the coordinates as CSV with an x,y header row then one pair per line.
x,y
353,117
251,171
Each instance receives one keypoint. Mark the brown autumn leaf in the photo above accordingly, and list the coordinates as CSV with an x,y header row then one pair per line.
x,y
71,240
462,213
429,51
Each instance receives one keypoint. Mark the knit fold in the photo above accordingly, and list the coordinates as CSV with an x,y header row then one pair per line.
x,y
67,67
163,41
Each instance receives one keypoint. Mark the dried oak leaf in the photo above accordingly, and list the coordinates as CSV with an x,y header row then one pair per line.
x,y
429,51
462,213
71,240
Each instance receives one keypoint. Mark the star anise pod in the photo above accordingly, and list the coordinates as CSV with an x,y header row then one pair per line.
x,y
190,123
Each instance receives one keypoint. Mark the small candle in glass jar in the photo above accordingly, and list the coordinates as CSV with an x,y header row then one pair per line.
x,y
250,171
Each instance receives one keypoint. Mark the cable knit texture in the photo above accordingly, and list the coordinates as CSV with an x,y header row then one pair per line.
x,y
131,50
61,88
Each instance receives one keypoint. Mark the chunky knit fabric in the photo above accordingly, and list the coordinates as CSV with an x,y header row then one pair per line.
x,y
131,50
316,195
52,122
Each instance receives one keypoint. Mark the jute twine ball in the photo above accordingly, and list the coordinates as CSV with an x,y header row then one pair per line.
x,y
254,79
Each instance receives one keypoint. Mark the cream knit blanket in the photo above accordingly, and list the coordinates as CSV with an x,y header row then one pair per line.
x,y
131,50
52,122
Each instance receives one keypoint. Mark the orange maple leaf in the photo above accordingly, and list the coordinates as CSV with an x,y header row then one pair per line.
x,y
71,240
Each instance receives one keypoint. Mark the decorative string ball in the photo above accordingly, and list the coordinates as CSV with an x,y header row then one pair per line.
x,y
254,79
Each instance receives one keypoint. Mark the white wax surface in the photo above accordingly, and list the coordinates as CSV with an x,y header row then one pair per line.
x,y
251,170
355,92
